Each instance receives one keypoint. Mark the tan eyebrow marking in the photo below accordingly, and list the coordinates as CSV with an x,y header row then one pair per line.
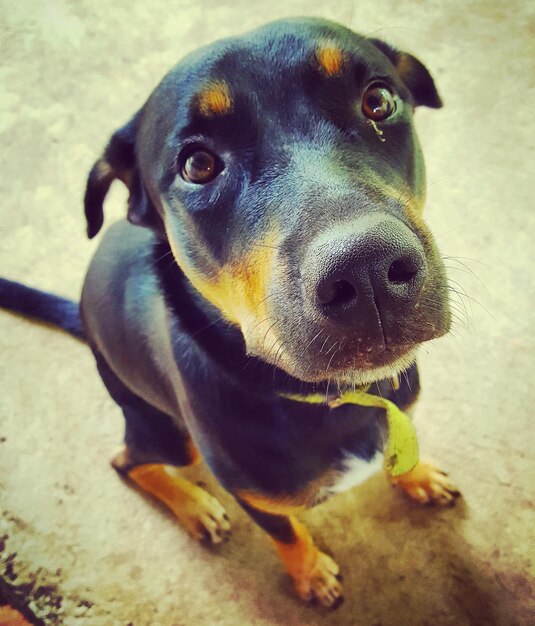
x,y
330,58
215,99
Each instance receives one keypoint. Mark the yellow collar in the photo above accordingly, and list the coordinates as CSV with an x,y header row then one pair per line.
x,y
401,450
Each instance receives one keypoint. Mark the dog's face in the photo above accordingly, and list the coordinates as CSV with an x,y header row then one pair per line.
x,y
284,169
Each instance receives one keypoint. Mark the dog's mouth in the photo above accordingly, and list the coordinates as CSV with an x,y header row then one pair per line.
x,y
356,370
346,360
390,364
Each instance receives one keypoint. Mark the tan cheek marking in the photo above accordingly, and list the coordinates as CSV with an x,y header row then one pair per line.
x,y
238,290
215,99
331,59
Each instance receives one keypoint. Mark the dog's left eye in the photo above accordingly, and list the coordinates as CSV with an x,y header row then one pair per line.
x,y
199,166
378,102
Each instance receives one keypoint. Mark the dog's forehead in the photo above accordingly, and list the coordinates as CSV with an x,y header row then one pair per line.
x,y
275,54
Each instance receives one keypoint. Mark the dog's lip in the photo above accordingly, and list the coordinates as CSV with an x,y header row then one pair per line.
x,y
381,357
367,366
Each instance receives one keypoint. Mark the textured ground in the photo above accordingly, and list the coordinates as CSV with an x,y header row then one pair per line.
x,y
80,546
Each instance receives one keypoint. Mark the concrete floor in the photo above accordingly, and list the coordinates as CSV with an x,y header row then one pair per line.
x,y
80,547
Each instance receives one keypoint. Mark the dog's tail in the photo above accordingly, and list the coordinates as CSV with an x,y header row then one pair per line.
x,y
43,306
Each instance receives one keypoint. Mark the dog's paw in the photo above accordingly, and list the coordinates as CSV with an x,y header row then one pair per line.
x,y
202,516
198,512
427,484
320,584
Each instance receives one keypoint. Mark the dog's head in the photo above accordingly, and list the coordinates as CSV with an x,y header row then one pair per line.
x,y
284,170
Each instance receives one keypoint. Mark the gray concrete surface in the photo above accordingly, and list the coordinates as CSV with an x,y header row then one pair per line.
x,y
85,549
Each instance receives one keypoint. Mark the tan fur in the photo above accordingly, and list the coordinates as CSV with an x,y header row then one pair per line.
x,y
427,484
199,513
330,58
313,572
215,99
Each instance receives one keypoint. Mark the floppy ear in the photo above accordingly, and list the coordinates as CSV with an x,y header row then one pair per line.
x,y
118,161
414,74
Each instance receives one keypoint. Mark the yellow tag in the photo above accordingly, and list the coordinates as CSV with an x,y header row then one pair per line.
x,y
401,453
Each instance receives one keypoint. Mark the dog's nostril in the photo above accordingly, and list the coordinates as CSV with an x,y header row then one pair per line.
x,y
336,293
402,271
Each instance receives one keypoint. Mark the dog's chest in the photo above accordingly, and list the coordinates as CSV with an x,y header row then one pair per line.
x,y
354,471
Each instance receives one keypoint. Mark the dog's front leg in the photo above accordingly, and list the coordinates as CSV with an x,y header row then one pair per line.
x,y
315,575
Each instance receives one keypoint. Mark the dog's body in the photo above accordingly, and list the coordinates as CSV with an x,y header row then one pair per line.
x,y
279,179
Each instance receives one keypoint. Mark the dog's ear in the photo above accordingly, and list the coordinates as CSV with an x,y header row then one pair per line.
x,y
414,74
118,161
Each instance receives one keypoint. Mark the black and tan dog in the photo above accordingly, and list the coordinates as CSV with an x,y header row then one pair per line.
x,y
283,264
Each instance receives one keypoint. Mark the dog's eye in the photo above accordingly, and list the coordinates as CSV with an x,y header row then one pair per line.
x,y
200,166
378,102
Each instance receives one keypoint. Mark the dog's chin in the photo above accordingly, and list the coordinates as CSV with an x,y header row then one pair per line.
x,y
360,377
363,372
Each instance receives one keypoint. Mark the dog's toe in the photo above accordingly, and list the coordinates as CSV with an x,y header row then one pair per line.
x,y
204,518
321,583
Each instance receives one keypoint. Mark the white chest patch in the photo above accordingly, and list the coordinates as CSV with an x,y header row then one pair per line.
x,y
355,471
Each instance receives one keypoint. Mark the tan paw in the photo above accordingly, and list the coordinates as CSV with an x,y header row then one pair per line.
x,y
198,512
321,583
203,517
427,484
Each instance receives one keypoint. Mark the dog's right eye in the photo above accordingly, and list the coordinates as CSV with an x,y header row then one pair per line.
x,y
199,166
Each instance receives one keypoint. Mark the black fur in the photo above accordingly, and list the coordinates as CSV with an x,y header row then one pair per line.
x,y
43,306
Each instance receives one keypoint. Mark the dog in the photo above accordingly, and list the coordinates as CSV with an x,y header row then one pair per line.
x,y
273,279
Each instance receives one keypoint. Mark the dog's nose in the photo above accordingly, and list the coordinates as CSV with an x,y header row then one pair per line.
x,y
379,265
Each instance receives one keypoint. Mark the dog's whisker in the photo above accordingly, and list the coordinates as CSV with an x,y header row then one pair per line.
x,y
313,339
466,258
327,389
406,377
458,292
459,286
460,315
261,321
324,343
163,256
424,188
267,333
278,356
331,348
213,323
270,295
451,268
471,299
465,267
332,356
